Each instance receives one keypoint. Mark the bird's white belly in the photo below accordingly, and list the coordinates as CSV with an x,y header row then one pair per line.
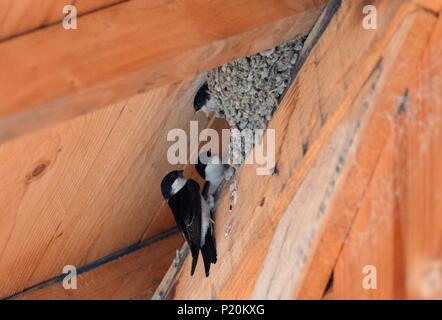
x,y
205,220
215,175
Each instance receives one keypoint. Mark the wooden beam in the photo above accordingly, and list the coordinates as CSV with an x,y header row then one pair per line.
x,y
174,271
132,276
398,226
372,239
432,5
18,17
281,223
421,176
133,47
313,230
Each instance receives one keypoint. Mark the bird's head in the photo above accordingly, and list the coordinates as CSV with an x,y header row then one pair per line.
x,y
168,182
204,158
201,98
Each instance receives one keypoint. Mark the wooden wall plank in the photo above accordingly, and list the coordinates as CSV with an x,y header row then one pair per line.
x,y
433,5
250,261
17,17
133,47
133,276
371,240
398,228
421,203
384,96
340,176
84,189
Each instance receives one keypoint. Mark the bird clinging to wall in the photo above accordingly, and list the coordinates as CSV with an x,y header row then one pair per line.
x,y
212,170
192,216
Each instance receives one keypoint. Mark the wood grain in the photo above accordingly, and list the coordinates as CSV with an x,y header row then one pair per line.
x,y
273,227
421,202
84,189
398,226
17,17
133,47
132,276
433,5
403,53
371,240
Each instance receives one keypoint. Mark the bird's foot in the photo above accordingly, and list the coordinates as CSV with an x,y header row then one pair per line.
x,y
177,259
211,202
229,173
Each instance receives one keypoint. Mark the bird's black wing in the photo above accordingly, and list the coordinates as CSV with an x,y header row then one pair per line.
x,y
201,96
186,208
206,188
208,251
201,168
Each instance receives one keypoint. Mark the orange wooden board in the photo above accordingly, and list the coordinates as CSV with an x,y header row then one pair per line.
x,y
56,74
421,174
371,241
132,276
84,189
398,227
20,16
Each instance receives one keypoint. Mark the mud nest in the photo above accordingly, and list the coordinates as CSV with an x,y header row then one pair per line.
x,y
247,91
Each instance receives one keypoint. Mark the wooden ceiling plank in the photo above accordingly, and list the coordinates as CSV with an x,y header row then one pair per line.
x,y
133,47
132,276
19,17
89,187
